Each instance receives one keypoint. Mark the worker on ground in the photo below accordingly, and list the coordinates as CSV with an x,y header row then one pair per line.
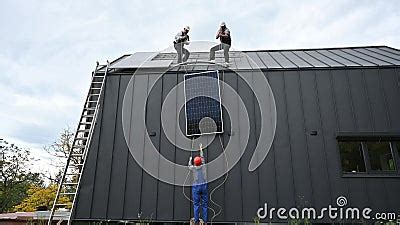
x,y
181,39
199,188
224,36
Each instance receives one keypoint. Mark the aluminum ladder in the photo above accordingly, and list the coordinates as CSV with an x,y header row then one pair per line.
x,y
69,183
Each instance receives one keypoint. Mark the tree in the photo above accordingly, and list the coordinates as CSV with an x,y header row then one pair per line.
x,y
60,149
40,196
15,175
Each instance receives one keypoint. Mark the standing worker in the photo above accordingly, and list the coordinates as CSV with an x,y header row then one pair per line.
x,y
199,188
181,39
224,35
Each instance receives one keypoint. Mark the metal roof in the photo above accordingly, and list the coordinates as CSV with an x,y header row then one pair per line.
x,y
37,215
368,56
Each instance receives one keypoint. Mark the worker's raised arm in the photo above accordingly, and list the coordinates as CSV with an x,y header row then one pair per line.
x,y
218,34
190,165
202,155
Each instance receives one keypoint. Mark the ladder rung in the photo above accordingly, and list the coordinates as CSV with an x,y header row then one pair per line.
x,y
78,146
95,88
72,174
85,123
70,183
95,94
89,114
68,193
84,130
97,82
90,108
81,138
61,204
91,101
75,165
74,154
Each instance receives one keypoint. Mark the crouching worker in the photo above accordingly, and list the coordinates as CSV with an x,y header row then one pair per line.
x,y
199,188
181,39
224,36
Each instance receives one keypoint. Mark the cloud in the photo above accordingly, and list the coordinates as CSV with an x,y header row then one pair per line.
x,y
49,48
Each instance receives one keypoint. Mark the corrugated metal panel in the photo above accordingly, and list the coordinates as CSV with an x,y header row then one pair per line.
x,y
134,60
378,56
394,51
338,58
310,59
385,53
300,169
271,59
268,61
282,60
326,60
296,60
351,58
255,61
368,58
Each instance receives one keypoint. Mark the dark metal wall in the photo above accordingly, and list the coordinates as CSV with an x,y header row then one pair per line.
x,y
300,170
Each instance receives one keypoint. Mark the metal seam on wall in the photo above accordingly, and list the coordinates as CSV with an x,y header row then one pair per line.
x,y
332,84
113,149
320,121
305,136
287,127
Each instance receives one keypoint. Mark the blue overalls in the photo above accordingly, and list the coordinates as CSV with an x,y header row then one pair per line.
x,y
200,191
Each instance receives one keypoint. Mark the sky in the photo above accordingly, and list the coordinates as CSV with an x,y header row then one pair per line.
x,y
48,48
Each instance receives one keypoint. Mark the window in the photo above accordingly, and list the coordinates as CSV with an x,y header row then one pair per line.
x,y
369,155
352,156
380,156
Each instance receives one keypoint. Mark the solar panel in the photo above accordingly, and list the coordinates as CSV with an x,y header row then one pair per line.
x,y
203,103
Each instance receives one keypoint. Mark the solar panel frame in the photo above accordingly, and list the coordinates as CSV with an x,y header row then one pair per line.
x,y
219,101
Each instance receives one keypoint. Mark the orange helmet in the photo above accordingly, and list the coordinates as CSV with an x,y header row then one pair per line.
x,y
197,161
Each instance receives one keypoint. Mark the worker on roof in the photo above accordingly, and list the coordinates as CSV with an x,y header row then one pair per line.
x,y
181,39
199,188
224,35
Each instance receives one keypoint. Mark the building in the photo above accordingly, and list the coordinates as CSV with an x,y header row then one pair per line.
x,y
37,217
337,135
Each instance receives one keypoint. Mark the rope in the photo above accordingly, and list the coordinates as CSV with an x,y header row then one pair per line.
x,y
187,175
223,182
184,194
226,176
226,164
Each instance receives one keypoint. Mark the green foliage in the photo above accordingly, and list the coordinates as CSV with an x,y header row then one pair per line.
x,y
256,220
15,175
40,196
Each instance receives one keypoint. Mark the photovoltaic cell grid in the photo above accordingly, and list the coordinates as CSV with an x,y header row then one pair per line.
x,y
203,103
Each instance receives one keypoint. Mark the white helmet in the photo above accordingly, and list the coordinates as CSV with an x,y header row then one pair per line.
x,y
222,24
187,27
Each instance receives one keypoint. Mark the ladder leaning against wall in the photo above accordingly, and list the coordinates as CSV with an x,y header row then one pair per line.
x,y
69,183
